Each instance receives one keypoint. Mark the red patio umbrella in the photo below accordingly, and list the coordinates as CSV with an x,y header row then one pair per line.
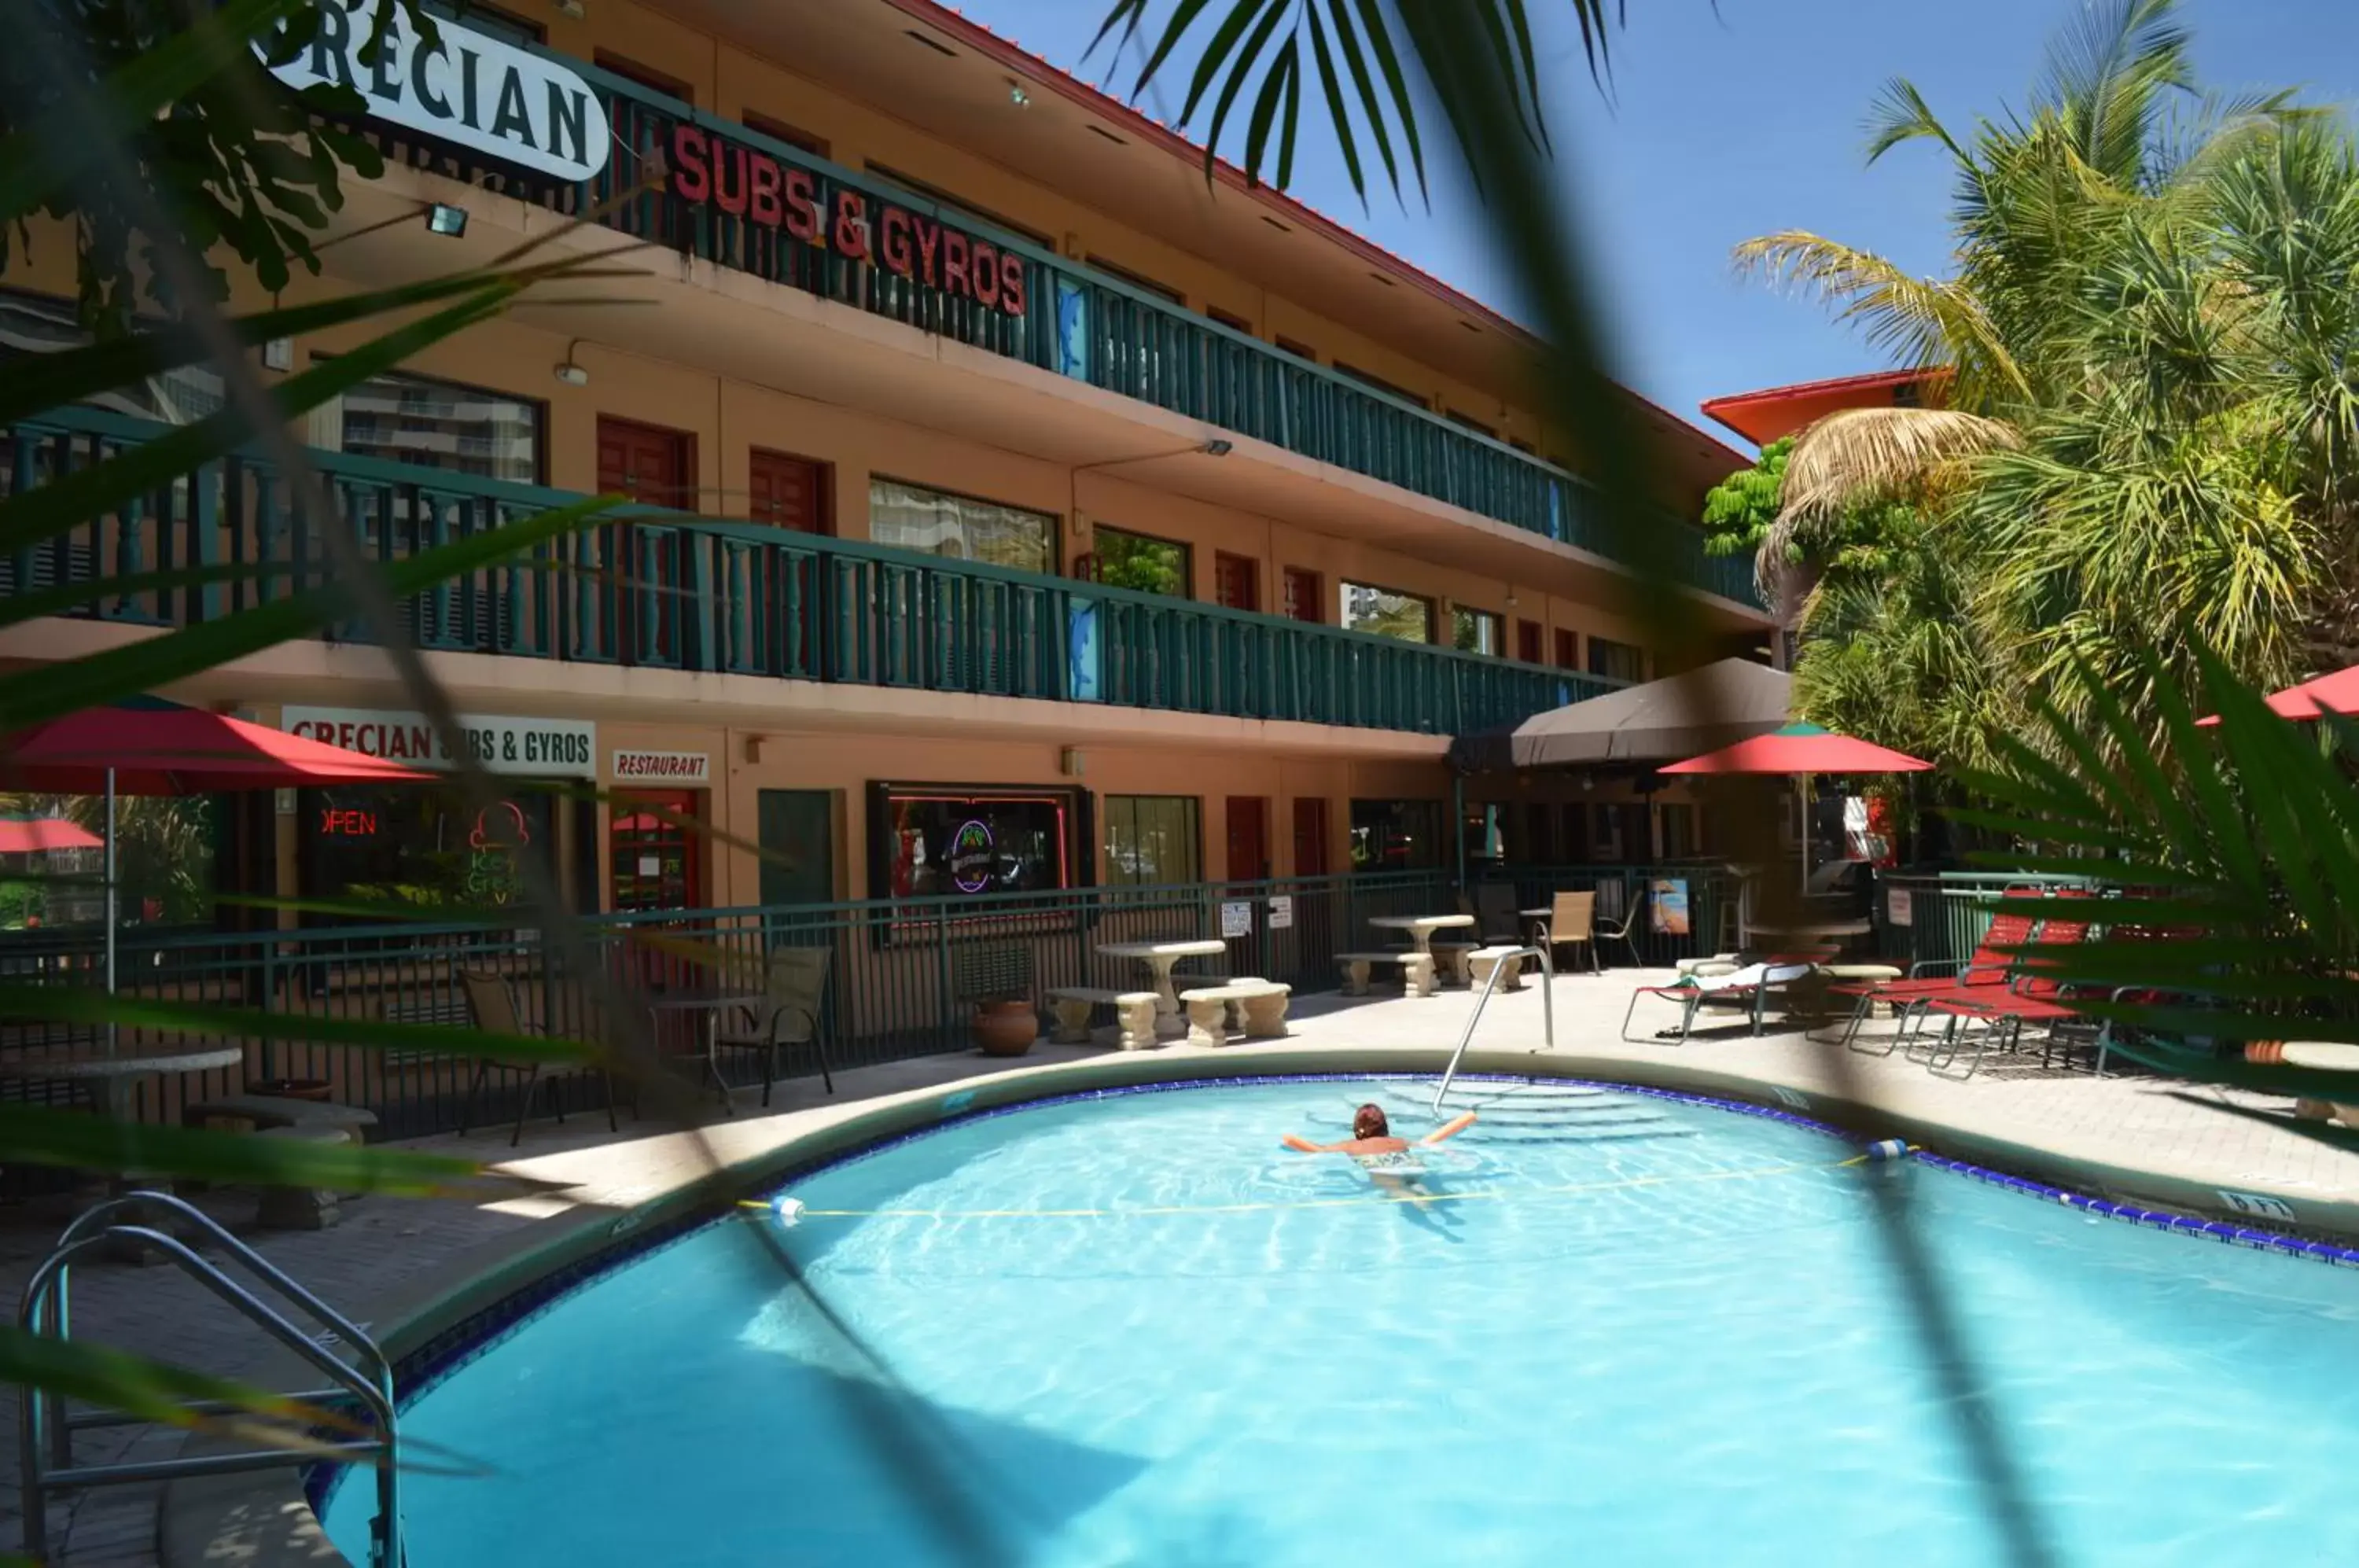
x,y
30,835
2335,693
153,747
1802,750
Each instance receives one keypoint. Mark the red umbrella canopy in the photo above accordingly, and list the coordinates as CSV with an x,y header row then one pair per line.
x,y
1801,748
2335,693
26,835
164,750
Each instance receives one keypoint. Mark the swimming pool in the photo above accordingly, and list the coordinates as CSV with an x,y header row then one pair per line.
x,y
1634,1329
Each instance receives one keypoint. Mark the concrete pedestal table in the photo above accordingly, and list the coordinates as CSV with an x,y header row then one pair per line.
x,y
1420,929
1159,957
111,1081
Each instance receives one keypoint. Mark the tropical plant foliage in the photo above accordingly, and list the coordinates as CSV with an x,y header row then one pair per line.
x,y
1739,510
2146,355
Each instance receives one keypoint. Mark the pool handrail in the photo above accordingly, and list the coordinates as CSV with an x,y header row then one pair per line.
x,y
1503,956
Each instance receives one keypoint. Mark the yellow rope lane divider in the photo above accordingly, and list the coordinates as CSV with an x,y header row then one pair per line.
x,y
789,1211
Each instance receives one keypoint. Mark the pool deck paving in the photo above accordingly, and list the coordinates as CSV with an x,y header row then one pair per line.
x,y
2148,1139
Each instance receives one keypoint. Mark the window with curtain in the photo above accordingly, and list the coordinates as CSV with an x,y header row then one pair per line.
x,y
936,522
33,323
1680,840
1151,839
435,424
1616,660
1474,631
1403,617
1396,835
1148,564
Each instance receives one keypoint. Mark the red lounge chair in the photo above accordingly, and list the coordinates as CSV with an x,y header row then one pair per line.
x,y
2032,997
1986,972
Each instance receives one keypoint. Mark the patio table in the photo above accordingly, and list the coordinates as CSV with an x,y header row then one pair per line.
x,y
711,1002
1420,930
111,1079
1159,957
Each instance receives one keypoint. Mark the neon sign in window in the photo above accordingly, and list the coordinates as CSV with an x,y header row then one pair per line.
x,y
953,843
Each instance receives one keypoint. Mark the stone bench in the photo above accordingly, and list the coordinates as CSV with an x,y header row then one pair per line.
x,y
1452,957
1261,1002
1134,1014
1416,970
301,1208
266,1112
1481,961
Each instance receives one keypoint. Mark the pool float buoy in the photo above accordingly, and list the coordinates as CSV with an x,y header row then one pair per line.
x,y
787,1212
1887,1148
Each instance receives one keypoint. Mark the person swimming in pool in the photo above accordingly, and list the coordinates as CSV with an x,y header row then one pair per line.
x,y
1391,1162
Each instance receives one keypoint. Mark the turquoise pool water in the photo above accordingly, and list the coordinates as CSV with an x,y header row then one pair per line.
x,y
1134,1330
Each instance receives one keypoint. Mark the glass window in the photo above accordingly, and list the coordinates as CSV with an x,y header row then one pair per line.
x,y
165,846
1151,838
950,841
934,522
1616,660
1404,616
435,424
424,848
1396,835
1473,631
1679,842
1137,561
31,324
489,20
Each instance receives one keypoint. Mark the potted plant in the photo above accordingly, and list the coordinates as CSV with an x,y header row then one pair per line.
x,y
1006,1023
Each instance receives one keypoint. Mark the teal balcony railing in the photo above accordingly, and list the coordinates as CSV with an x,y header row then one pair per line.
x,y
1076,321
657,589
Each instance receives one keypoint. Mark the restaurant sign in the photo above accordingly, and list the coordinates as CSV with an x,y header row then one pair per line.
x,y
541,748
663,767
466,87
706,169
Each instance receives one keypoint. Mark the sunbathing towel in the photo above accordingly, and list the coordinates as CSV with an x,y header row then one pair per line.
x,y
1750,975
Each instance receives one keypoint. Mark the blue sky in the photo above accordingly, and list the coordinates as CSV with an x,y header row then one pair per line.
x,y
1737,122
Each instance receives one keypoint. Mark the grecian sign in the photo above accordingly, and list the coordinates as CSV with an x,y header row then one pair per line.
x,y
745,183
466,88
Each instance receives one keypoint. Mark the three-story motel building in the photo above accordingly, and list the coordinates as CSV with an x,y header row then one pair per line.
x,y
1011,507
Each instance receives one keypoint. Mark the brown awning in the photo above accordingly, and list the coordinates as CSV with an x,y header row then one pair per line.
x,y
1662,721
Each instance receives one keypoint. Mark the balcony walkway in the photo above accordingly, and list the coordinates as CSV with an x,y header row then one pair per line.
x,y
2157,1138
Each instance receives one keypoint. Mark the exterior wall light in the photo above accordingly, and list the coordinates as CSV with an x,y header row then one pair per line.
x,y
1217,447
441,218
572,374
1017,95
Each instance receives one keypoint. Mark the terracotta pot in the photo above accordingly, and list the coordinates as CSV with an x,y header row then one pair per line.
x,y
1005,1029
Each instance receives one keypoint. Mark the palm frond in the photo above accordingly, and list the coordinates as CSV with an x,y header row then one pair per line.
x,y
1859,455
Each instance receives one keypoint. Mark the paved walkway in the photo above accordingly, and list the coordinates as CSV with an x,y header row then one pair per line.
x,y
2045,1120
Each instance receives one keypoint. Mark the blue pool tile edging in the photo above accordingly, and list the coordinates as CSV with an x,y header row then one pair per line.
x,y
467,1341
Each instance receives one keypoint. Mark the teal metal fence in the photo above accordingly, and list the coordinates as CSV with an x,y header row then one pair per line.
x,y
899,981
1943,917
1076,321
656,589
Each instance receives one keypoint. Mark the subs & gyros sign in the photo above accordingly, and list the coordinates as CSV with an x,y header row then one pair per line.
x,y
543,748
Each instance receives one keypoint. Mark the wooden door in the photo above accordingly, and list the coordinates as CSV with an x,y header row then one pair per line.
x,y
1236,581
647,463
1303,596
797,833
787,492
1528,641
1310,836
1248,838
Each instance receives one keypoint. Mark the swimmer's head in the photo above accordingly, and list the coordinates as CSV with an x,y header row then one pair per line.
x,y
1368,1121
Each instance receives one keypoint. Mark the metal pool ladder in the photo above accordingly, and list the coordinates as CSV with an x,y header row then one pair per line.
x,y
1506,955
363,1385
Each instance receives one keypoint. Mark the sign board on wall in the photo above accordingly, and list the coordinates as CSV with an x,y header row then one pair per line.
x,y
663,767
542,748
1236,919
467,88
1899,907
1281,911
704,167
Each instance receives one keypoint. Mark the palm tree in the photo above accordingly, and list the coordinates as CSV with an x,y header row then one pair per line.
x,y
2147,442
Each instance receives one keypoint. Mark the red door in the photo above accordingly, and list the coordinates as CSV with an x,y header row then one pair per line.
x,y
1303,596
647,463
658,859
1236,581
641,564
1310,836
787,492
1248,838
1528,641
